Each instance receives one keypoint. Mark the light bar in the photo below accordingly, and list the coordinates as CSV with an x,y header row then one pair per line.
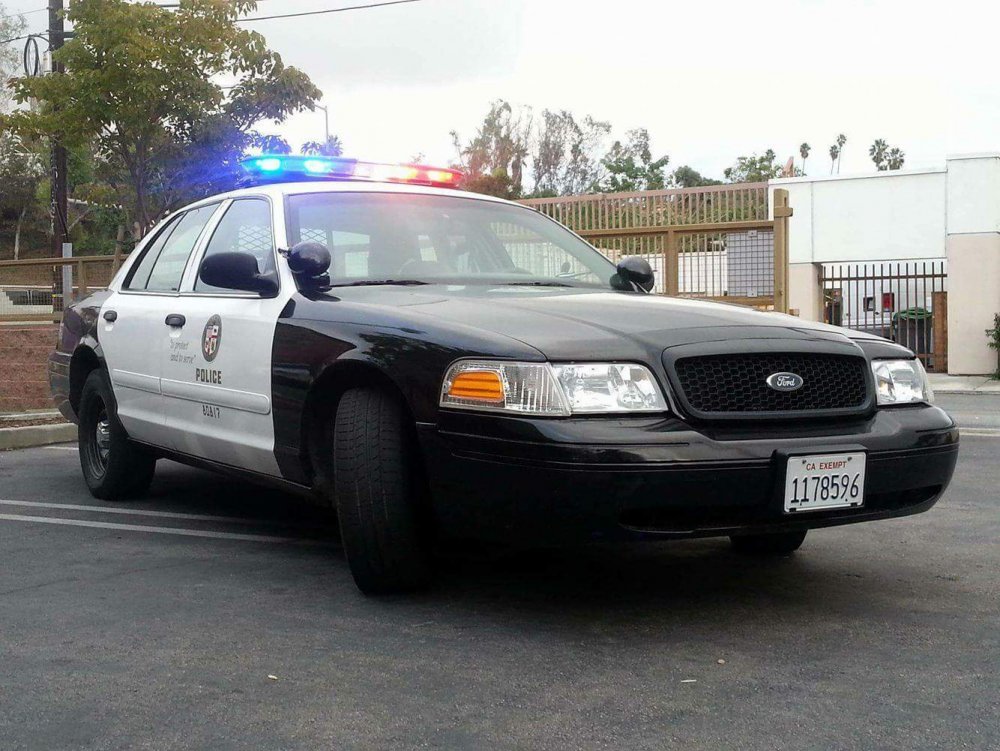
x,y
288,167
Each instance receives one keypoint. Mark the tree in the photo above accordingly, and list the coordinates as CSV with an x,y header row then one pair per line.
x,y
21,171
841,140
754,168
273,145
565,157
894,158
804,150
331,147
493,160
877,151
629,165
688,177
834,156
141,87
11,26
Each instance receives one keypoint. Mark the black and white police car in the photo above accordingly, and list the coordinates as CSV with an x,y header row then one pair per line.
x,y
435,364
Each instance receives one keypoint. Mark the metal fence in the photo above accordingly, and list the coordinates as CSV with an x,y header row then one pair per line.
x,y
37,289
905,301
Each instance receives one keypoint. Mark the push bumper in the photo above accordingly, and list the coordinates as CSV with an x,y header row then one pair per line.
x,y
596,479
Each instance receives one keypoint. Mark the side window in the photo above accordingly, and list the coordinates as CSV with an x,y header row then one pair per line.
x,y
140,273
246,228
168,268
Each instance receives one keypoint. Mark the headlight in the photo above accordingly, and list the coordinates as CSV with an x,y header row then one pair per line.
x,y
551,390
901,382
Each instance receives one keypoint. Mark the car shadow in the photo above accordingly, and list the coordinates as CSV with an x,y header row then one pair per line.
x,y
662,582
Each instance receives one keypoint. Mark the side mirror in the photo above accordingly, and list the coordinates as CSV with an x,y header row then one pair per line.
x,y
633,274
237,271
309,262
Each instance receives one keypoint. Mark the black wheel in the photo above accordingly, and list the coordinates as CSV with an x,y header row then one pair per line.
x,y
780,543
378,492
114,468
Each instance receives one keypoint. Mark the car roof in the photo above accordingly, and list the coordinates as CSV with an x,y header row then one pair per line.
x,y
277,190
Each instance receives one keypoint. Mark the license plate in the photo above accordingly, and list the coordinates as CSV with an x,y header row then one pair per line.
x,y
824,481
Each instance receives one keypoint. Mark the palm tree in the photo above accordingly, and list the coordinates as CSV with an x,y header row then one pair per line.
x,y
834,155
841,140
804,153
877,152
894,158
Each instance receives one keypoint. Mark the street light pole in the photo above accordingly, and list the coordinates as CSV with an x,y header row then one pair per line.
x,y
326,122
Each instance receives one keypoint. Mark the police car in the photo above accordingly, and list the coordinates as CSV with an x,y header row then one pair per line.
x,y
436,365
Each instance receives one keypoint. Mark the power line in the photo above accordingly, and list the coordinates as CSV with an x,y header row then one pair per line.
x,y
26,13
17,39
328,10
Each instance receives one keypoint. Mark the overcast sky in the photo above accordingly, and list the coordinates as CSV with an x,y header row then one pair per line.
x,y
710,80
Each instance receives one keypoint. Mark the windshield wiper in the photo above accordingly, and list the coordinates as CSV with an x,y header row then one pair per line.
x,y
537,284
379,282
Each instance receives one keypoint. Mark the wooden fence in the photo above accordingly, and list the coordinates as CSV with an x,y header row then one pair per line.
x,y
716,242
36,289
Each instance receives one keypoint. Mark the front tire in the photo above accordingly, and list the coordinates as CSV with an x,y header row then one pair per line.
x,y
114,468
378,493
775,544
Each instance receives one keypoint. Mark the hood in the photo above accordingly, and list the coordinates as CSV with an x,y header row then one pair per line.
x,y
580,323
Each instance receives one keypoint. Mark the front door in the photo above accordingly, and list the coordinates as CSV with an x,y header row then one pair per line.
x,y
217,369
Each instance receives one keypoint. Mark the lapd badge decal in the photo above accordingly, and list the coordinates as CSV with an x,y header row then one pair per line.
x,y
211,338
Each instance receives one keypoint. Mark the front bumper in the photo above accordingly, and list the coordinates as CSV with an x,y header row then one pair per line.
x,y
592,479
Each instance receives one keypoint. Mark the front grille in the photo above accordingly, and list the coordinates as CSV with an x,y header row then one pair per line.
x,y
737,383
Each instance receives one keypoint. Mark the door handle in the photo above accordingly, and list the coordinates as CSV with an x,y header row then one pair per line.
x,y
175,320
110,316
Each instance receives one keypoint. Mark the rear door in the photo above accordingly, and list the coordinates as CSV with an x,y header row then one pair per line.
x,y
133,324
217,369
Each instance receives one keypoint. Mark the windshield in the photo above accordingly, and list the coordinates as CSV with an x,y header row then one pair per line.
x,y
407,238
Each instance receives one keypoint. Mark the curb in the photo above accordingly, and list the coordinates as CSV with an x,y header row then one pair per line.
x,y
36,435
966,392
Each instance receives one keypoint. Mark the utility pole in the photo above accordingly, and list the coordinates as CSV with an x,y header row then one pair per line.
x,y
57,195
326,122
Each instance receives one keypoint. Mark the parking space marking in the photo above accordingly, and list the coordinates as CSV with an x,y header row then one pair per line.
x,y
61,448
135,512
980,432
154,530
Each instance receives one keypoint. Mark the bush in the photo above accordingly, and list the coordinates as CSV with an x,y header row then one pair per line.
x,y
994,341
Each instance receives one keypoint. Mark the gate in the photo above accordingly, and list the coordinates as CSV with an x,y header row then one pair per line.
x,y
905,301
715,243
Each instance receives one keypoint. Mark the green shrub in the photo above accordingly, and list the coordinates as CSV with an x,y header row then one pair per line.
x,y
994,341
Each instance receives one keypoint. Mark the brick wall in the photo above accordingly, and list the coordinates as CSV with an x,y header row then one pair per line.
x,y
24,353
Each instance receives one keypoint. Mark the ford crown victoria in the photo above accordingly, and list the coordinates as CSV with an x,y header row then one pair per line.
x,y
435,365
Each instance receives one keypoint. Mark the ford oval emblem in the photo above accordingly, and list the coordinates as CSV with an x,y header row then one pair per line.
x,y
785,381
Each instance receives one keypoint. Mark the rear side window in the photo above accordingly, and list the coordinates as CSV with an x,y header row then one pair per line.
x,y
162,265
245,228
140,274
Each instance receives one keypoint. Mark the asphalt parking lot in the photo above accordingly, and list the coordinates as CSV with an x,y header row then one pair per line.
x,y
218,615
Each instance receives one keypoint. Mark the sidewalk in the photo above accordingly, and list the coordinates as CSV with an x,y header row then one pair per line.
x,y
949,384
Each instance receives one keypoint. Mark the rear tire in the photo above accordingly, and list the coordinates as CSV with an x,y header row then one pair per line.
x,y
780,543
378,494
114,468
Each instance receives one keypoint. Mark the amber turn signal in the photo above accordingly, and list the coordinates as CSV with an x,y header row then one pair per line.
x,y
479,385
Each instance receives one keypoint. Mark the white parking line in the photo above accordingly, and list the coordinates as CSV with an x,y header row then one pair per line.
x,y
135,512
154,530
980,432
61,448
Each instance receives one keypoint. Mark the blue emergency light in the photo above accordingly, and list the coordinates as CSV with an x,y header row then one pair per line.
x,y
291,167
